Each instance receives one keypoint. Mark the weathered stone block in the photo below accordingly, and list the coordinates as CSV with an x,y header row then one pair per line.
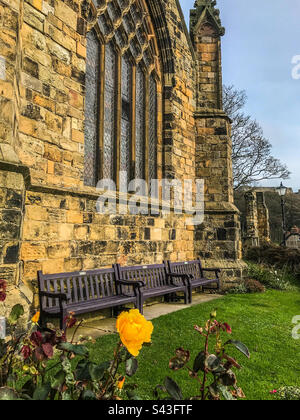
x,y
52,153
59,52
78,136
53,266
11,254
37,4
33,251
74,217
66,14
36,213
33,17
59,250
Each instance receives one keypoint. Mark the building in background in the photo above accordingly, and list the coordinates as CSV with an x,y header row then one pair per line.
x,y
293,238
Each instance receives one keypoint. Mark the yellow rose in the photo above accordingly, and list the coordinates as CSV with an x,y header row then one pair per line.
x,y
35,318
134,330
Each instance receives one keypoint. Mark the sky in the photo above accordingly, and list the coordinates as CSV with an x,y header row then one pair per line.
x,y
262,38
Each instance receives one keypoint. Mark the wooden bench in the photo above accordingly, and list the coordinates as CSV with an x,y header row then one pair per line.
x,y
84,292
196,274
156,281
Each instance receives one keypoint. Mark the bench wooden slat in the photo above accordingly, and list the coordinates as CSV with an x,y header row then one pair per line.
x,y
81,292
102,287
97,281
156,281
196,272
75,290
80,289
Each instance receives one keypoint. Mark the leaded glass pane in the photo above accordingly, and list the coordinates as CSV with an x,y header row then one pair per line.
x,y
109,111
140,125
113,11
123,3
91,109
126,87
135,13
128,24
134,51
126,78
104,24
141,36
98,3
121,38
152,128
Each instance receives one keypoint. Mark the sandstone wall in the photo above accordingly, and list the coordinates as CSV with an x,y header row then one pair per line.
x,y
48,217
59,229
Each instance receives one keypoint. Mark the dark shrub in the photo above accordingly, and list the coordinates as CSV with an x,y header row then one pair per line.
x,y
275,256
254,286
272,277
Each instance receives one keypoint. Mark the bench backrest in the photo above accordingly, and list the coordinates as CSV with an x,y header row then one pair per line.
x,y
187,267
79,286
154,276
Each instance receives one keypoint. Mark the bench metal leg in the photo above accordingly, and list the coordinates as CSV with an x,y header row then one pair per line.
x,y
190,294
62,321
186,298
42,322
141,305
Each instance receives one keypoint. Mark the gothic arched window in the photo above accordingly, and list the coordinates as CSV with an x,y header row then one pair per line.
x,y
122,76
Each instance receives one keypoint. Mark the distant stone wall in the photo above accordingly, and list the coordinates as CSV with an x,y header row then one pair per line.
x,y
257,228
263,218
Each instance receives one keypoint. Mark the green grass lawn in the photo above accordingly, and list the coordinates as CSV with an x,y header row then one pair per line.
x,y
262,321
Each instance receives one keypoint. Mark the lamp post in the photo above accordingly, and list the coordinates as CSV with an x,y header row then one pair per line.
x,y
282,192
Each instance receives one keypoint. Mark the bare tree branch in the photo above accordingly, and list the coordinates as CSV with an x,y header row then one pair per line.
x,y
251,151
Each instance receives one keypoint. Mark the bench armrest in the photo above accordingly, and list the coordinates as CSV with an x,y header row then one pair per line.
x,y
62,299
212,270
60,296
184,277
134,283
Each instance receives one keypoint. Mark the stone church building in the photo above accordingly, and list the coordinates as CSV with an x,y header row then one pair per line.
x,y
89,88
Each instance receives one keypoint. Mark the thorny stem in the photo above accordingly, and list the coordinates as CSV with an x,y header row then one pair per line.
x,y
77,328
112,368
206,353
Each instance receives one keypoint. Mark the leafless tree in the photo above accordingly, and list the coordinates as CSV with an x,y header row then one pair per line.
x,y
252,159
